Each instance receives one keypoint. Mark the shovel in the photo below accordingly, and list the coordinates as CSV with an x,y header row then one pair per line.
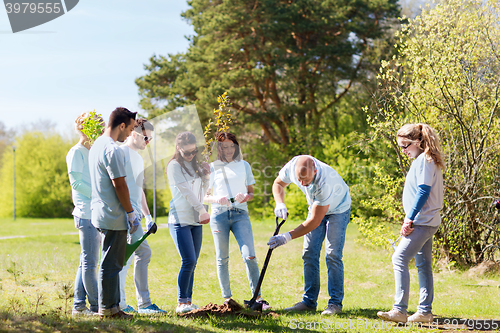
x,y
132,247
252,304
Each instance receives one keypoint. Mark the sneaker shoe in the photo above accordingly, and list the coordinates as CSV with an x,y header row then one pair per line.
x,y
419,317
129,309
183,308
119,315
194,306
331,310
83,312
300,307
393,315
151,309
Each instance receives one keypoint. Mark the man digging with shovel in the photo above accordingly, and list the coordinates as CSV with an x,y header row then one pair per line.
x,y
329,213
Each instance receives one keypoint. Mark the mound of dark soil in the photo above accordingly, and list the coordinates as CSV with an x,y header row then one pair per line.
x,y
227,309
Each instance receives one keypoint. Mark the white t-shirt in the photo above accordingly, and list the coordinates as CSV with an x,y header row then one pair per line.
x,y
181,210
106,162
327,187
423,172
77,160
134,165
229,179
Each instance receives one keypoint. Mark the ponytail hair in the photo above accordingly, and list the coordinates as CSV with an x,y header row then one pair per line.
x,y
429,141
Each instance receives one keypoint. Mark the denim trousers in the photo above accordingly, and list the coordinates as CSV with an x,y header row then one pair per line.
x,y
187,239
141,258
86,275
237,221
416,245
114,244
332,229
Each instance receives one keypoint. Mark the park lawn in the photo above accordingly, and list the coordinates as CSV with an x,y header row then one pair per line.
x,y
37,273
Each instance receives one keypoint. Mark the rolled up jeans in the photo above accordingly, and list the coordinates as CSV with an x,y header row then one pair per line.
x,y
86,275
416,245
114,244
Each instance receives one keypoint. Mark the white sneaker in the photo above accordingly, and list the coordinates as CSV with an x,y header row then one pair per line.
x,y
393,315
332,309
419,317
184,307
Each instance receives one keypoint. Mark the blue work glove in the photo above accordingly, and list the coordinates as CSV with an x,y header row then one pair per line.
x,y
149,222
281,211
279,240
133,222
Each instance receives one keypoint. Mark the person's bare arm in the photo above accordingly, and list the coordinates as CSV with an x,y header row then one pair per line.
x,y
122,193
279,190
317,215
144,205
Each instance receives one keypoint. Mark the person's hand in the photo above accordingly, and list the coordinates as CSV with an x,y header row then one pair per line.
x,y
241,198
149,221
133,222
223,201
206,168
279,240
204,218
281,211
406,228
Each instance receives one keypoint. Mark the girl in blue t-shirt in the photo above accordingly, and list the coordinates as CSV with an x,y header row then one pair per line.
x,y
422,203
229,189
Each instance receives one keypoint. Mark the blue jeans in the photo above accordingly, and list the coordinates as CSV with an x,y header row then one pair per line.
x,y
418,244
334,228
86,275
237,221
113,255
187,240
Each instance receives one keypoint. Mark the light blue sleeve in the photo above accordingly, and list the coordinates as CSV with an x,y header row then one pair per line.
x,y
75,161
284,173
250,180
426,172
175,174
115,163
79,185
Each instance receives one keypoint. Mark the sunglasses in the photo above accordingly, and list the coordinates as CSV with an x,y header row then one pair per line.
x,y
405,147
144,136
190,153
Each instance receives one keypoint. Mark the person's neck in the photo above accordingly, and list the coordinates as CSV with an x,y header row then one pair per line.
x,y
112,133
84,142
131,145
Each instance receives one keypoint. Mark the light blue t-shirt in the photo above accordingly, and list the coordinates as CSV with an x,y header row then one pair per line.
x,y
327,187
423,172
77,161
229,179
106,162
181,210
134,165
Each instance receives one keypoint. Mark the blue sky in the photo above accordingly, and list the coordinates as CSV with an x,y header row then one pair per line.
x,y
84,60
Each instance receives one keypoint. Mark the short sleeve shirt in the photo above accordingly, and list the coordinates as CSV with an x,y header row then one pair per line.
x,y
229,179
77,161
134,166
327,187
423,172
106,162
181,211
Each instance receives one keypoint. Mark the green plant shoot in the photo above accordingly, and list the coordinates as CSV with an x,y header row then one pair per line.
x,y
220,122
93,127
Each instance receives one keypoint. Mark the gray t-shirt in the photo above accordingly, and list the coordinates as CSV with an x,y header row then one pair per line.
x,y
106,162
327,187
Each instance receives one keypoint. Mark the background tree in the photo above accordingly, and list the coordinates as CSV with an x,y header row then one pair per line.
x,y
42,184
6,137
293,70
447,74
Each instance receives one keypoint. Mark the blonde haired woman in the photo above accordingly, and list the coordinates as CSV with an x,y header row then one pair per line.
x,y
77,161
422,203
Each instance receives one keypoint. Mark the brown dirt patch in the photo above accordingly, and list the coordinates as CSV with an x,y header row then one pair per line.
x,y
231,308
486,267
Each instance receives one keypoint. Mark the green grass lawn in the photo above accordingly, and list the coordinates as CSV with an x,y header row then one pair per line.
x,y
37,273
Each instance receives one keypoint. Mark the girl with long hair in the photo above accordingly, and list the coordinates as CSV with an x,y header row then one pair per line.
x,y
422,203
229,190
187,213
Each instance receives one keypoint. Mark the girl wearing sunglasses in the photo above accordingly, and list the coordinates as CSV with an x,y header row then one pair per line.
x,y
187,213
